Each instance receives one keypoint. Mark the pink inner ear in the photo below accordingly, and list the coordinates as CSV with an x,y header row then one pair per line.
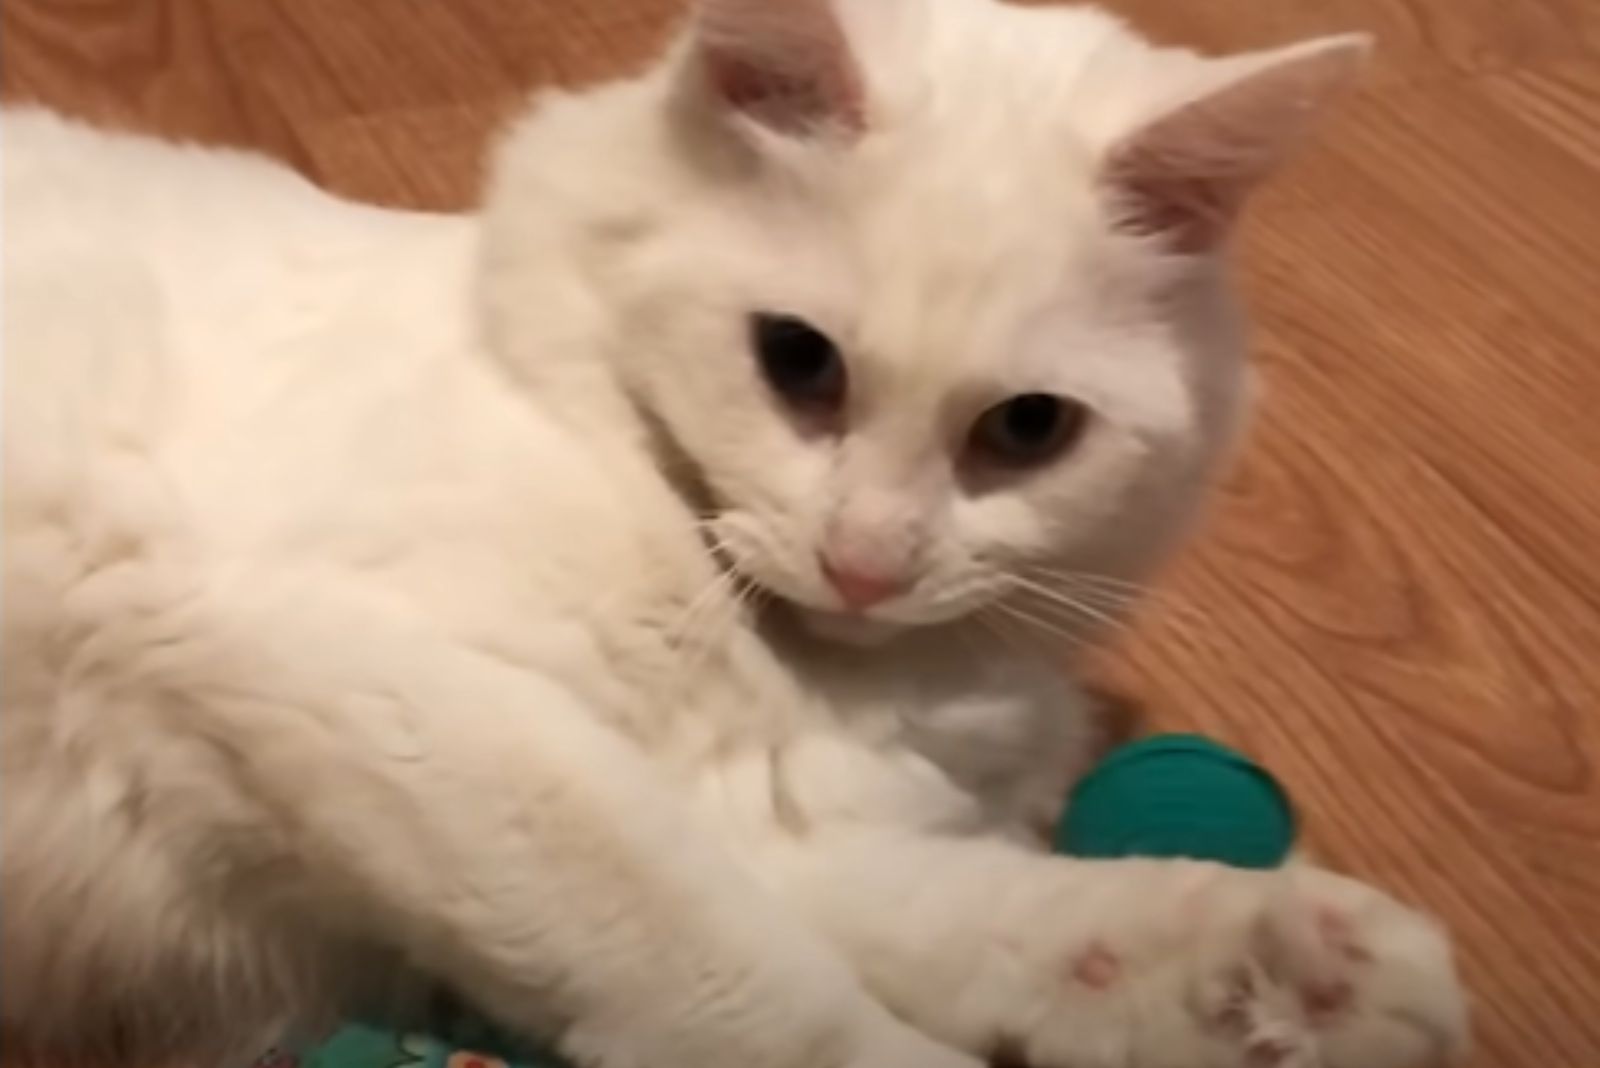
x,y
1193,213
786,100
784,63
1187,174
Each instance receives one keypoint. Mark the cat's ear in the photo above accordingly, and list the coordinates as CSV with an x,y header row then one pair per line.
x,y
1185,173
783,64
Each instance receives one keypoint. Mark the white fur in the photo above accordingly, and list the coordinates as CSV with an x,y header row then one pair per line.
x,y
359,618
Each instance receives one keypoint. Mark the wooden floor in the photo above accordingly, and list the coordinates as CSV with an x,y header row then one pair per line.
x,y
1398,604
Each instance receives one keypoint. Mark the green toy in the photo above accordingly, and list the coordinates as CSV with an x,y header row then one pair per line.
x,y
1179,795
1172,795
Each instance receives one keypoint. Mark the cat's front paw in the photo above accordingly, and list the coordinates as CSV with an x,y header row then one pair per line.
x,y
1373,981
1300,969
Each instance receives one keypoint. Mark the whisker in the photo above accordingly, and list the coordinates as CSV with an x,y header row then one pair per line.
x,y
1091,578
1039,623
1072,609
1022,632
714,625
986,619
684,623
1064,601
734,595
1079,584
1187,621
1120,593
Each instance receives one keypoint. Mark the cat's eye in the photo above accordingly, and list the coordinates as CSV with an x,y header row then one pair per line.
x,y
798,361
1028,430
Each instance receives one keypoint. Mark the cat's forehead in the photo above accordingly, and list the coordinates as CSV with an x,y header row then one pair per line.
x,y
958,280
959,258
946,263
952,271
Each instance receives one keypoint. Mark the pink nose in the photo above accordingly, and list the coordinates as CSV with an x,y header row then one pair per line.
x,y
860,589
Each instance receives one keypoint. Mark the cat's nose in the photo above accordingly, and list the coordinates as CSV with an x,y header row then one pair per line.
x,y
859,588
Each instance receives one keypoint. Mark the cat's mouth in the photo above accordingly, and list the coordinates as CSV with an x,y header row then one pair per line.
x,y
785,593
821,621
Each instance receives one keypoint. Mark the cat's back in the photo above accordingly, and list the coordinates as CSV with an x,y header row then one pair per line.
x,y
87,205
64,177
212,235
214,367
123,257
189,332
177,299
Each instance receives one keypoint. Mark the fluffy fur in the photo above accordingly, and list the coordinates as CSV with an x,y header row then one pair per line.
x,y
392,594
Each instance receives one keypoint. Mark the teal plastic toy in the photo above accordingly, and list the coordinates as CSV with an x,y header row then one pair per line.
x,y
1179,795
1172,795
455,1039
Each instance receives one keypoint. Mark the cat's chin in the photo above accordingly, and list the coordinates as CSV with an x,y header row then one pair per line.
x,y
847,629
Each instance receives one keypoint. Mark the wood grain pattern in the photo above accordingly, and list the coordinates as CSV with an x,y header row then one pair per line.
x,y
1398,601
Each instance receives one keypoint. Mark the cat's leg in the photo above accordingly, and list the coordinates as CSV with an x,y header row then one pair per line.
x,y
1133,964
390,785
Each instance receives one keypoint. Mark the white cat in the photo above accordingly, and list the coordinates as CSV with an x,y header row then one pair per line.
x,y
634,604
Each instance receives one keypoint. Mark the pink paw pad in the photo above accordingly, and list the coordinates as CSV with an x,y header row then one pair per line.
x,y
1325,1000
1232,1015
1097,967
1269,1053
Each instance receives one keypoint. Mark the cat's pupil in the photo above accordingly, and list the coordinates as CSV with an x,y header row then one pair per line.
x,y
1033,418
798,361
1028,429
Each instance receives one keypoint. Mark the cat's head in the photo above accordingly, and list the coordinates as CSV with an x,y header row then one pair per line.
x,y
930,292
